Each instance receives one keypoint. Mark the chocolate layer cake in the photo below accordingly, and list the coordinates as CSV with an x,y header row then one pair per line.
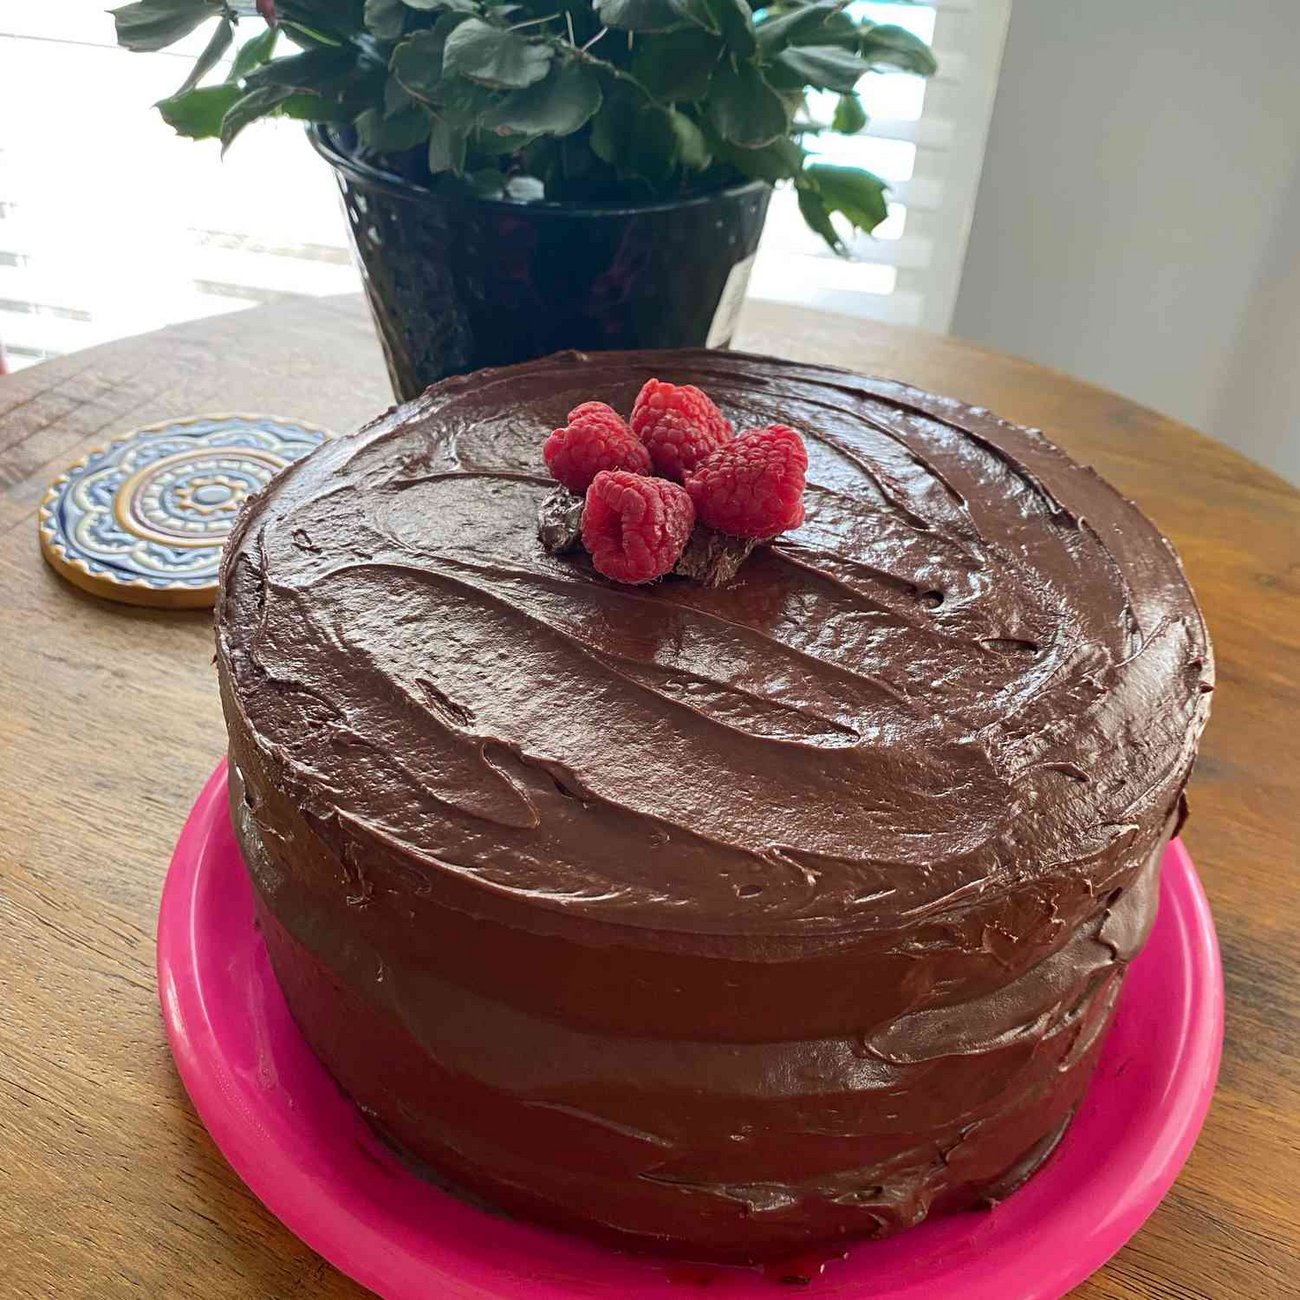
x,y
727,921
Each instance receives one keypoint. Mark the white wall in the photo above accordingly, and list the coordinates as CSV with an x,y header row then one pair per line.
x,y
1138,217
1258,408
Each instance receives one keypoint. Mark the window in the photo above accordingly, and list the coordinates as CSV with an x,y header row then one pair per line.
x,y
927,140
111,225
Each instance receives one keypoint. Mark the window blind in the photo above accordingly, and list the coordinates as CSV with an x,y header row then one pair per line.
x,y
110,224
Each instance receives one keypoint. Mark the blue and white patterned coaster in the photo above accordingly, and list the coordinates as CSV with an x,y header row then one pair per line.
x,y
143,520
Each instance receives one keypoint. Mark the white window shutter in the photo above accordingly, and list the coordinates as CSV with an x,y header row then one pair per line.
x,y
927,140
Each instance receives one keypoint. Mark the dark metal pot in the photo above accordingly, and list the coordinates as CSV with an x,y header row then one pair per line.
x,y
456,282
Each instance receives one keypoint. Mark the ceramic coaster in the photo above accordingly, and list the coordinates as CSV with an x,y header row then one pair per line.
x,y
143,520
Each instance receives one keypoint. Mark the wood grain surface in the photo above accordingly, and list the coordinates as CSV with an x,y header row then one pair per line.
x,y
109,723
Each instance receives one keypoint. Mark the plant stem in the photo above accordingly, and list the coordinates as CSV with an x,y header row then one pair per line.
x,y
609,69
532,22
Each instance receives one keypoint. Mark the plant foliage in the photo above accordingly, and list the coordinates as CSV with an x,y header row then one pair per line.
x,y
577,100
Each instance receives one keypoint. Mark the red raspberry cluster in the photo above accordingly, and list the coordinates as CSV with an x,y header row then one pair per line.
x,y
646,481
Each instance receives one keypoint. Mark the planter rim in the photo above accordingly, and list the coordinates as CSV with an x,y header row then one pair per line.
x,y
325,143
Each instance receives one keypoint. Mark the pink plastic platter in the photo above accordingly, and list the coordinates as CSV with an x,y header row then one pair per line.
x,y
306,1152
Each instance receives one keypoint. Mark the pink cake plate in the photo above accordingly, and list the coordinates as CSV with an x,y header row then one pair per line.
x,y
304,1149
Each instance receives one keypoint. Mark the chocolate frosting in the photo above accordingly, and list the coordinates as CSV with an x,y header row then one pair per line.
x,y
723,918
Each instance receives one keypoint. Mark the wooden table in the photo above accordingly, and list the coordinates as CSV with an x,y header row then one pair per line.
x,y
109,723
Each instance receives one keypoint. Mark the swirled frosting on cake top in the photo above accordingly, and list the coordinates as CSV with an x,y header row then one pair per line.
x,y
974,666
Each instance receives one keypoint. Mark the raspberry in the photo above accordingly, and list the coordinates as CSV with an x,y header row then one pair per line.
x,y
634,527
752,486
679,424
595,438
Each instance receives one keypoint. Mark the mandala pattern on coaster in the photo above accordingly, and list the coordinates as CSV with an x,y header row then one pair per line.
x,y
143,520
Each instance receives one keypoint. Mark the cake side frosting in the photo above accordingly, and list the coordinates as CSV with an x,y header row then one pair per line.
x,y
871,831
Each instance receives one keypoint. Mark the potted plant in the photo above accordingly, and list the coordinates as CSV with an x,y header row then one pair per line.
x,y
529,175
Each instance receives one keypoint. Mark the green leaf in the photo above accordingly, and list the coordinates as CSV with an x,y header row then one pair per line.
x,y
636,139
396,96
253,53
850,117
639,15
692,149
495,57
775,33
858,195
463,103
320,71
217,45
262,101
416,64
676,66
394,133
386,19
824,67
777,161
817,215
835,29
895,47
306,106
567,98
446,147
155,24
344,78
496,144
198,113
732,20
744,109
611,131
457,6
